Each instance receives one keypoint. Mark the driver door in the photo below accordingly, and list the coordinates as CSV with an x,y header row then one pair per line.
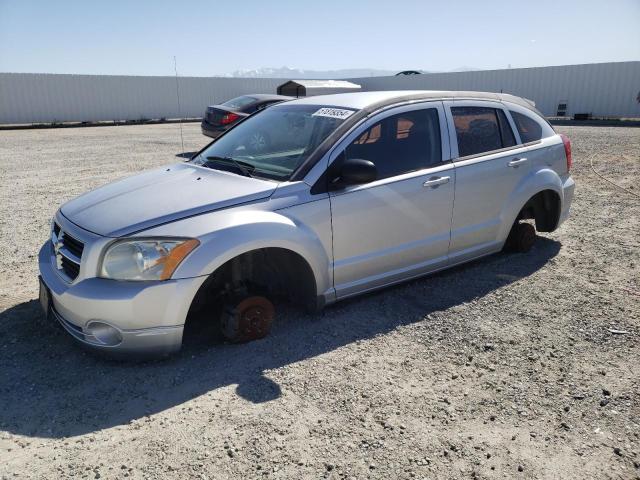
x,y
398,226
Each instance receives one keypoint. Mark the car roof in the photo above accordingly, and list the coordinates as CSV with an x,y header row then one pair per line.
x,y
379,99
367,103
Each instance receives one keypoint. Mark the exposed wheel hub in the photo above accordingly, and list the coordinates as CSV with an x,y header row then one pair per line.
x,y
521,238
526,237
250,319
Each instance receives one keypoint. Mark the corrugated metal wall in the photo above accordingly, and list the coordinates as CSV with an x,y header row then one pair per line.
x,y
32,97
603,89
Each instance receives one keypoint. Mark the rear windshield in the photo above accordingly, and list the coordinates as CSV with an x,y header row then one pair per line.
x,y
274,142
239,102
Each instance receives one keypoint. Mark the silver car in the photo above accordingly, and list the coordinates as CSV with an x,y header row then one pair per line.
x,y
346,194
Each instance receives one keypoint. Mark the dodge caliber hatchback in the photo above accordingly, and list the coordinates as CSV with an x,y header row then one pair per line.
x,y
352,193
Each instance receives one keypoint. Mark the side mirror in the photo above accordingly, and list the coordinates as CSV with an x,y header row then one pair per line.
x,y
354,171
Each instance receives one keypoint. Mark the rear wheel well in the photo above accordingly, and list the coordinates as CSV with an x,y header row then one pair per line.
x,y
277,273
544,208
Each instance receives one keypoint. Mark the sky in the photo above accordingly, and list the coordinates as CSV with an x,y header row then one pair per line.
x,y
208,38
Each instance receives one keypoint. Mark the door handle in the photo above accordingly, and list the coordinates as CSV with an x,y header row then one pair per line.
x,y
516,162
433,182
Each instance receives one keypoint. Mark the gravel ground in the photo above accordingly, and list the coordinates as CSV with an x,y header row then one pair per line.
x,y
503,368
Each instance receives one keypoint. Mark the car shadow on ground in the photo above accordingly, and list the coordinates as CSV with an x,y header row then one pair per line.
x,y
51,388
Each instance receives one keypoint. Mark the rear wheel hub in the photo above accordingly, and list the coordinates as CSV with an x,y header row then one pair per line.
x,y
521,238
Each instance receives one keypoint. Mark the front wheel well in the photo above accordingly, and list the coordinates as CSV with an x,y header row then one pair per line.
x,y
278,273
544,208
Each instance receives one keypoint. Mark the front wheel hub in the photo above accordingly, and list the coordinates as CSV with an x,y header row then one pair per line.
x,y
248,320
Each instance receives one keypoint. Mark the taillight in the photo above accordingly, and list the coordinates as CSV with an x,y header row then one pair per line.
x,y
567,150
229,118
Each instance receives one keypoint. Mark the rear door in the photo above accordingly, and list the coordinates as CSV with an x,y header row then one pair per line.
x,y
397,226
489,167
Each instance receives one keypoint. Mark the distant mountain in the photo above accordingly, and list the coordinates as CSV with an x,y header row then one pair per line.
x,y
465,69
296,73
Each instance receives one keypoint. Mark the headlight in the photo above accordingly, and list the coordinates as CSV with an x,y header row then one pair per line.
x,y
152,259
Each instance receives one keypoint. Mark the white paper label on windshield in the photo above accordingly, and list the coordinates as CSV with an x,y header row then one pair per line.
x,y
333,113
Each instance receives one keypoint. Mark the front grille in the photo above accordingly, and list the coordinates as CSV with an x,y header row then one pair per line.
x,y
69,267
74,246
68,252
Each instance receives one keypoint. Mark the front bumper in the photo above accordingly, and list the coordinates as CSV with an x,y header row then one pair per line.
x,y
149,317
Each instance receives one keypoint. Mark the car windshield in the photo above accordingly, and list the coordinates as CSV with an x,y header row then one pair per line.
x,y
274,142
239,102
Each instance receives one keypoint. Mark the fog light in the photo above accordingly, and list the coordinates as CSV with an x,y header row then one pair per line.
x,y
103,334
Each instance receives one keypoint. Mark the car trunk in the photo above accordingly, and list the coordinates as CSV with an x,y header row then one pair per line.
x,y
219,115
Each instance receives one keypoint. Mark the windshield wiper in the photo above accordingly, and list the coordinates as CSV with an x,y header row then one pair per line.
x,y
240,165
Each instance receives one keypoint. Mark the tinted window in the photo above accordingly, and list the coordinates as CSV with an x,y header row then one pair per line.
x,y
400,143
266,104
239,102
481,129
529,129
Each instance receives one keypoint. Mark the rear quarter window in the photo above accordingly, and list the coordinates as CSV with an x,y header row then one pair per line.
x,y
529,129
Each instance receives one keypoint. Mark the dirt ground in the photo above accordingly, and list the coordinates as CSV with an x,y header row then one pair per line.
x,y
503,368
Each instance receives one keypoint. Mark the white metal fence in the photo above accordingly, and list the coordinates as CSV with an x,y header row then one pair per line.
x,y
602,89
34,97
605,89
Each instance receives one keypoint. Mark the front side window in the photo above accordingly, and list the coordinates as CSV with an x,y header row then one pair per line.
x,y
400,143
274,142
529,129
481,129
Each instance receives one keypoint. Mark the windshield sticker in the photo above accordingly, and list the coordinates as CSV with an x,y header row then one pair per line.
x,y
333,113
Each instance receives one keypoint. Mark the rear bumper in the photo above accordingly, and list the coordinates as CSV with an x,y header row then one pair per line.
x,y
568,187
140,318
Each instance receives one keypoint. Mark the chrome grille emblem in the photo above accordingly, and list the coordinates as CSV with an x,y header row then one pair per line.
x,y
57,242
67,251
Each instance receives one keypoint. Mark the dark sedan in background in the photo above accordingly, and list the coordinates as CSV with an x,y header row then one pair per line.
x,y
219,118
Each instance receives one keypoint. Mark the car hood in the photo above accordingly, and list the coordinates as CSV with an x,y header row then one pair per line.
x,y
160,196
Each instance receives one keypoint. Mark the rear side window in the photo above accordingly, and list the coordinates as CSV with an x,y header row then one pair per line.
x,y
264,105
239,102
481,129
529,129
400,143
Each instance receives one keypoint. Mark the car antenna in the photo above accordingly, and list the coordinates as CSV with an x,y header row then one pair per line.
x,y
175,68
